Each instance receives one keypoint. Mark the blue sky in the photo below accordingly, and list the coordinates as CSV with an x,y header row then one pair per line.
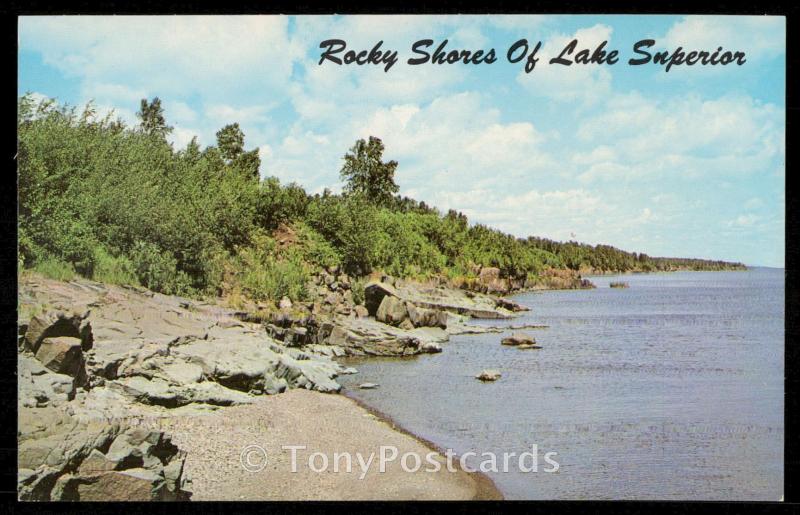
x,y
686,163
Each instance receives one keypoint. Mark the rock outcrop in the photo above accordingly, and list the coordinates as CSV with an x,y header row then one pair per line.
x,y
95,355
64,459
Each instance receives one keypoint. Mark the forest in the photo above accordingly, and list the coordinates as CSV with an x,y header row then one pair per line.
x,y
120,204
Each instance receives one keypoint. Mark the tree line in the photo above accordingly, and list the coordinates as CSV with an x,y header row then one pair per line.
x,y
120,204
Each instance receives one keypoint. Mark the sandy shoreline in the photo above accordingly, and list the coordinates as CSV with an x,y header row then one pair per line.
x,y
323,423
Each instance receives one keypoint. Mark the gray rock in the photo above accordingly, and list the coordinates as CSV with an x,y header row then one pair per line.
x,y
62,354
519,339
424,317
62,458
40,387
392,311
374,293
368,386
54,324
489,375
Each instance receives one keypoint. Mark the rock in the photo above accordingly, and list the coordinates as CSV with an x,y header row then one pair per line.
x,y
361,311
127,485
406,325
368,337
526,346
519,339
368,386
374,293
62,354
285,303
619,284
392,311
40,387
347,296
63,460
511,305
491,282
489,375
55,324
424,317
489,274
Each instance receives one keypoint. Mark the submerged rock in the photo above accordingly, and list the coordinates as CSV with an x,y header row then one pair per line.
x,y
519,339
368,386
489,375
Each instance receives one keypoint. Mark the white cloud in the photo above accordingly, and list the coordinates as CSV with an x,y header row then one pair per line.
x,y
686,136
744,220
215,55
577,82
758,36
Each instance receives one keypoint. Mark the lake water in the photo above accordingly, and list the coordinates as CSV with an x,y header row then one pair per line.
x,y
669,389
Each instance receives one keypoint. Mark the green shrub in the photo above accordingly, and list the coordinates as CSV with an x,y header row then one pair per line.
x,y
113,270
263,275
157,270
315,249
357,287
55,268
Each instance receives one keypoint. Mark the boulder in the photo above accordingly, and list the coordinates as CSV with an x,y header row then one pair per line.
x,y
391,311
526,346
374,293
126,485
61,354
489,375
424,317
54,324
489,278
519,339
489,274
285,303
511,305
406,325
369,337
361,311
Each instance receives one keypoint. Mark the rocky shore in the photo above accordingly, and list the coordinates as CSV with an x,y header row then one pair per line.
x,y
96,360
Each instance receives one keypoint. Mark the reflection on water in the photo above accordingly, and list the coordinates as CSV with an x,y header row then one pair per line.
x,y
670,389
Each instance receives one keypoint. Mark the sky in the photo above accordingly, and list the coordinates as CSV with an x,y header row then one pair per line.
x,y
689,163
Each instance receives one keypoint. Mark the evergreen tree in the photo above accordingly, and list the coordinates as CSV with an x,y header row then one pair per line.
x,y
152,118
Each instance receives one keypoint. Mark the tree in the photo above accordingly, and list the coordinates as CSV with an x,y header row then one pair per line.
x,y
248,163
152,118
192,151
230,141
365,174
